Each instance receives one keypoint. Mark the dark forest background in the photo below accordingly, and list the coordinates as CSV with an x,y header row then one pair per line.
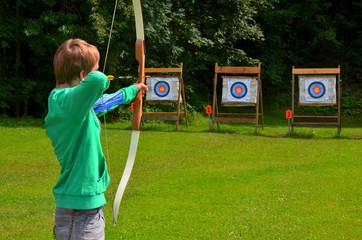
x,y
199,33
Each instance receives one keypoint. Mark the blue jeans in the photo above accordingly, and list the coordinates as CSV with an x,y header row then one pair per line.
x,y
79,224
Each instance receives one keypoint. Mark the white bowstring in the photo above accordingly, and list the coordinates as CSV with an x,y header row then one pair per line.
x,y
104,68
110,35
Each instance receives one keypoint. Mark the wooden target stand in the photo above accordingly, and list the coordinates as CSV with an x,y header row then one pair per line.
x,y
175,85
317,76
242,73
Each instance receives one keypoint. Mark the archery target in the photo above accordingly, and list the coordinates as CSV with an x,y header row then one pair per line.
x,y
238,89
317,89
162,88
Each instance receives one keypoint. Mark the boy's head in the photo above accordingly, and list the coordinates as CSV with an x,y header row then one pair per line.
x,y
73,57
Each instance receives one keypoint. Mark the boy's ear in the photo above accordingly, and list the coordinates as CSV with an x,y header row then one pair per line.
x,y
82,75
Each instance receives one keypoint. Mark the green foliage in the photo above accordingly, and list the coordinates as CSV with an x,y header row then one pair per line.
x,y
351,104
277,34
33,32
199,34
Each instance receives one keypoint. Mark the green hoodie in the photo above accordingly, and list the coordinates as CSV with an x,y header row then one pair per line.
x,y
74,130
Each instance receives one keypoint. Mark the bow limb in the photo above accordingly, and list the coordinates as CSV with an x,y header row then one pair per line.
x,y
137,114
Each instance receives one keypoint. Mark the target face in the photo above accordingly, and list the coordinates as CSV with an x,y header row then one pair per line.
x,y
162,89
238,90
316,90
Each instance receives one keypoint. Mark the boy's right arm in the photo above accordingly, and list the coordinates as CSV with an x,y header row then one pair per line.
x,y
87,92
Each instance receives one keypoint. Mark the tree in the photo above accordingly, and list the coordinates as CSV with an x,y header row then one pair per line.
x,y
311,33
199,34
30,34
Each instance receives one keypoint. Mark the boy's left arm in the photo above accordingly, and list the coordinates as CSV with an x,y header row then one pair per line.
x,y
108,102
129,93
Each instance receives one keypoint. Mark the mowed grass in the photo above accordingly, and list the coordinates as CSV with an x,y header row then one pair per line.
x,y
194,184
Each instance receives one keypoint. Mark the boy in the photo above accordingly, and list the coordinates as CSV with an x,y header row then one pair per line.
x,y
74,130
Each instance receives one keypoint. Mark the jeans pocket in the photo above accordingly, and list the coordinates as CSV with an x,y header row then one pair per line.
x,y
62,227
94,226
63,223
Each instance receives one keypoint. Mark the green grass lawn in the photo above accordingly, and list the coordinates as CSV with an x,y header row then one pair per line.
x,y
194,184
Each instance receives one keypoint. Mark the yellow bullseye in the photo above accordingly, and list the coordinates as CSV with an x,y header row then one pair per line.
x,y
239,90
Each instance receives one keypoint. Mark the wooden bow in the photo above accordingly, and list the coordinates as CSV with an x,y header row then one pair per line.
x,y
137,114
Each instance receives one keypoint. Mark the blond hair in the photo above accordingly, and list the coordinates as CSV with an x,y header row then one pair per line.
x,y
73,56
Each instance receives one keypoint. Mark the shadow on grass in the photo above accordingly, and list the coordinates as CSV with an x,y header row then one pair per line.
x,y
277,131
275,127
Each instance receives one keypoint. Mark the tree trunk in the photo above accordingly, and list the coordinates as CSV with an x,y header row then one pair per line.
x,y
17,59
